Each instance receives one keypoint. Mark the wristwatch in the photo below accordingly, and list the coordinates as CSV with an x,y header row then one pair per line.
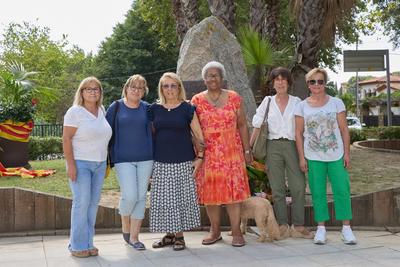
x,y
247,151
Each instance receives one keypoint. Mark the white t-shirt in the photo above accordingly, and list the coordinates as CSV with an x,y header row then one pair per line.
x,y
322,138
92,136
279,125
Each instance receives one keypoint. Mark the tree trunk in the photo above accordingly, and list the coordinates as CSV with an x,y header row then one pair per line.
x,y
180,25
225,11
270,27
257,15
186,15
309,24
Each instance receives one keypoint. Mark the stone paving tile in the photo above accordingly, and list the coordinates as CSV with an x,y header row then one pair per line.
x,y
373,249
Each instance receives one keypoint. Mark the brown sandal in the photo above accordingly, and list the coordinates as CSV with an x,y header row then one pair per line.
x,y
167,240
179,244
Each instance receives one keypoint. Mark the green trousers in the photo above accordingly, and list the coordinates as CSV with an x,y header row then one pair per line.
x,y
338,176
282,160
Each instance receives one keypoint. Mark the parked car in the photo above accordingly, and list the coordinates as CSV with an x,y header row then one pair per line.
x,y
354,123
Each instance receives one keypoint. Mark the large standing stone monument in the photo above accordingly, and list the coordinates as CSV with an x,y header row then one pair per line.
x,y
210,40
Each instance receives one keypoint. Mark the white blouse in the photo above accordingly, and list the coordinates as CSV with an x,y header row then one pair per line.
x,y
92,136
279,125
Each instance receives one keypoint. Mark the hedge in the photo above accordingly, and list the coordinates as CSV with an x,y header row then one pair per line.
x,y
43,148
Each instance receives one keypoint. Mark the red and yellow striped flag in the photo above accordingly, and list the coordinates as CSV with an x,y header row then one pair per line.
x,y
16,131
24,173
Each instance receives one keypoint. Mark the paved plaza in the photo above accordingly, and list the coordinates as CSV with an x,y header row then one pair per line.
x,y
374,248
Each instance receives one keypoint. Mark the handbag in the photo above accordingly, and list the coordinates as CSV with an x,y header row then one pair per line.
x,y
110,163
260,145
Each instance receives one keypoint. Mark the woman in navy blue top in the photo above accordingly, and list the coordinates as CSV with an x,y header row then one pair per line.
x,y
132,153
174,206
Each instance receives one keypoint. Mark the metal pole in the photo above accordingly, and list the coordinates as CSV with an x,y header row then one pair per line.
x,y
357,96
389,104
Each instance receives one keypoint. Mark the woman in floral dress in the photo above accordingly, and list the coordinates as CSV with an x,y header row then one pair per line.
x,y
222,179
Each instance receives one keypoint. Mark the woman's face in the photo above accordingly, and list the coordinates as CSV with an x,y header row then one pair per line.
x,y
135,91
316,83
91,93
213,79
170,89
281,85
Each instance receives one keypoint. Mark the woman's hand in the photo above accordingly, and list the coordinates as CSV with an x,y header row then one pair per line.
x,y
303,165
346,161
248,156
71,171
266,167
196,165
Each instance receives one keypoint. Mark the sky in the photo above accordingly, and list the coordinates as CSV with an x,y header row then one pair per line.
x,y
88,22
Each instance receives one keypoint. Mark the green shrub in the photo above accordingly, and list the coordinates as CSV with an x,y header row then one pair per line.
x,y
392,132
357,135
41,148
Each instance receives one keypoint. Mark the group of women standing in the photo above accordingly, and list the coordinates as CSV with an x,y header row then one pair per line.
x,y
195,153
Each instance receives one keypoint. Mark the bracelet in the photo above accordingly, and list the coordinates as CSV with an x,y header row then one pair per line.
x,y
247,151
200,157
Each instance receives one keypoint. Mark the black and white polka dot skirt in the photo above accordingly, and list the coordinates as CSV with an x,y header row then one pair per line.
x,y
173,198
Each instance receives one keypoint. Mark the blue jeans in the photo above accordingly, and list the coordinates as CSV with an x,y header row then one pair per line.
x,y
86,191
133,180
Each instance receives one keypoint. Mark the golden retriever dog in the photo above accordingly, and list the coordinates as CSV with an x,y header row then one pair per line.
x,y
261,211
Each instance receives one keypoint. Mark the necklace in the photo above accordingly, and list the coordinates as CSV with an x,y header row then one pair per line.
x,y
169,107
215,101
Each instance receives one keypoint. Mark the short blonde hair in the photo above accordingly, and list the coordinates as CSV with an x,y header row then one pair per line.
x,y
175,77
78,99
212,65
315,71
137,78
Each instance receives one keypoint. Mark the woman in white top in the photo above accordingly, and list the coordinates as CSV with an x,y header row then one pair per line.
x,y
86,135
282,158
323,143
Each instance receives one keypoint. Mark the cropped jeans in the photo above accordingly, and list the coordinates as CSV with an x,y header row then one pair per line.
x,y
133,178
86,191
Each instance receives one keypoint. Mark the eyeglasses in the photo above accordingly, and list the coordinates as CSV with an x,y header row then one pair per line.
x,y
212,76
134,88
315,82
92,90
171,86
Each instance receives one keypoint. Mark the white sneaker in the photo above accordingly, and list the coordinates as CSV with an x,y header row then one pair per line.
x,y
348,236
320,236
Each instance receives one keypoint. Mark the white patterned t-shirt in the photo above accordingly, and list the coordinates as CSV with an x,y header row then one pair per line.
x,y
322,138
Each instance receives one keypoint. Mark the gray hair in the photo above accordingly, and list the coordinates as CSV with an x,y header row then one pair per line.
x,y
213,64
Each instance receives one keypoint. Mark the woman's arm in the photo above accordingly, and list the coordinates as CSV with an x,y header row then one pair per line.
x,y
254,135
198,135
68,133
344,131
299,121
244,133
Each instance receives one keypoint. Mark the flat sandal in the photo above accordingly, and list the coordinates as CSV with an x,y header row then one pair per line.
x,y
166,240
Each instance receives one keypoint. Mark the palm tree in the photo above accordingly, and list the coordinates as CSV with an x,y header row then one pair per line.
x,y
186,15
257,15
270,27
225,11
258,55
316,26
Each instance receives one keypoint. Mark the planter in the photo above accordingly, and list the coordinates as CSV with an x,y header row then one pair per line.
x,y
14,137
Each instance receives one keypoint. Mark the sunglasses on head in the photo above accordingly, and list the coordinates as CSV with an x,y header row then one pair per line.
x,y
315,82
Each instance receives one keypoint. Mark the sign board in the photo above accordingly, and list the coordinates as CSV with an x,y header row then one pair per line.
x,y
364,60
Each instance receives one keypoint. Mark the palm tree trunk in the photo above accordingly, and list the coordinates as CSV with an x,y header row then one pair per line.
x,y
270,27
186,15
257,15
310,21
225,11
180,25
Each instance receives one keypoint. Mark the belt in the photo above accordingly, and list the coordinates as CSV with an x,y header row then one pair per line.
x,y
281,139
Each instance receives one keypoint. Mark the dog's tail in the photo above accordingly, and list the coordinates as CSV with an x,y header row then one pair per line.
x,y
272,226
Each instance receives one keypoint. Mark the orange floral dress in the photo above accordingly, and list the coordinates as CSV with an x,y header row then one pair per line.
x,y
222,178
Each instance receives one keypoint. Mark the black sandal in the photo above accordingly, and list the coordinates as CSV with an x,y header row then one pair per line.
x,y
179,244
167,240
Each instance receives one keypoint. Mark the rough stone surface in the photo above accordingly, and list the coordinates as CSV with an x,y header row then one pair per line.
x,y
210,40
